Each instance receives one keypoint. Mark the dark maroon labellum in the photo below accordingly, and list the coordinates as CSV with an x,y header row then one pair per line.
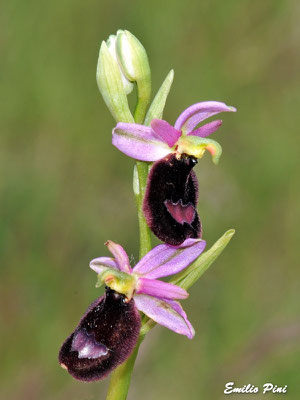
x,y
104,338
171,199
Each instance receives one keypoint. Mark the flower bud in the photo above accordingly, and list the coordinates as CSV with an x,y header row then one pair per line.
x,y
111,45
132,57
111,86
134,62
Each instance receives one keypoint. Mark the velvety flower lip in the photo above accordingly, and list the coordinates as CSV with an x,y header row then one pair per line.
x,y
170,201
104,338
154,298
153,143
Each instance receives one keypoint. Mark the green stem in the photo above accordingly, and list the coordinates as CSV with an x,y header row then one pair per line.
x,y
142,173
143,93
121,376
145,234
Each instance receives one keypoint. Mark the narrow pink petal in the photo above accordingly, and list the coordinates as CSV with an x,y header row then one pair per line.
x,y
165,131
120,255
139,142
206,129
161,289
166,260
167,313
101,263
196,113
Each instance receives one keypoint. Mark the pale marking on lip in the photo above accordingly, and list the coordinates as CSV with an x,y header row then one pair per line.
x,y
181,212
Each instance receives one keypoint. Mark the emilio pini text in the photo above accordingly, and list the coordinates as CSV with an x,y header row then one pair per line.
x,y
230,388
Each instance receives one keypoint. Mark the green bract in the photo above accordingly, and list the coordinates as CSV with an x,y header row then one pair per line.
x,y
158,104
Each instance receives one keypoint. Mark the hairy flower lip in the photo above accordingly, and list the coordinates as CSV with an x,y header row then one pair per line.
x,y
172,181
104,338
153,297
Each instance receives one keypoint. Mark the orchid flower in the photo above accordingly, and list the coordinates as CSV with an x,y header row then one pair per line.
x,y
108,331
172,188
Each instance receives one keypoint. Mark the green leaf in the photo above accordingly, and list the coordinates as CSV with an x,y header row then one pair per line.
x,y
158,104
190,275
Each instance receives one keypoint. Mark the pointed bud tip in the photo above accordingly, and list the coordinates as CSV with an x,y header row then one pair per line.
x,y
103,45
110,40
230,233
128,33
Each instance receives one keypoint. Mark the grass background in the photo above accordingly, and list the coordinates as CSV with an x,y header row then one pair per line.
x,y
65,190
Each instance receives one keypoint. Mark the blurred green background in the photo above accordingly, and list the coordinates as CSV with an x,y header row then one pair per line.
x,y
65,190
